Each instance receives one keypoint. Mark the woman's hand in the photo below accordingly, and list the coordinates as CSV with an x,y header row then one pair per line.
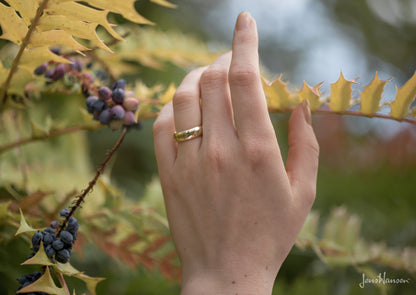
x,y
234,209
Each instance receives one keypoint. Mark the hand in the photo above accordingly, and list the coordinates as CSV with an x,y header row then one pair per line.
x,y
234,209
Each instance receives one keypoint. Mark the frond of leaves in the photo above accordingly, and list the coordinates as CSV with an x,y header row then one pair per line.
x,y
37,25
340,100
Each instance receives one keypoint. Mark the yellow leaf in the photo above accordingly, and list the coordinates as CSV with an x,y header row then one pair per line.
x,y
278,97
40,258
164,3
20,79
34,57
78,11
66,269
74,27
27,9
24,227
90,281
125,8
371,96
13,27
44,284
312,94
404,97
168,95
341,90
54,37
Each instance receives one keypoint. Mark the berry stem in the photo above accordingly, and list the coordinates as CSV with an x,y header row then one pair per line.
x,y
79,199
25,42
63,283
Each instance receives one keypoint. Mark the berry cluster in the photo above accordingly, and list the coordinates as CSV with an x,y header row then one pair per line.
x,y
114,107
57,247
28,279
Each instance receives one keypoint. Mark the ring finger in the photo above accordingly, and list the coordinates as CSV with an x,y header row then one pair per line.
x,y
187,108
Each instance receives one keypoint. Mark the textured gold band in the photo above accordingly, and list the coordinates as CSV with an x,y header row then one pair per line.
x,y
188,134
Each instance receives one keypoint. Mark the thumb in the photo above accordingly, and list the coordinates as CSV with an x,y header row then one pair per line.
x,y
302,161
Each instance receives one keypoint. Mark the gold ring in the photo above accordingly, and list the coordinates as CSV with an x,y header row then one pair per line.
x,y
187,134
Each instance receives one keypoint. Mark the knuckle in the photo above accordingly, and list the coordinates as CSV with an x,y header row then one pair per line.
x,y
214,76
243,75
158,126
182,99
216,157
258,151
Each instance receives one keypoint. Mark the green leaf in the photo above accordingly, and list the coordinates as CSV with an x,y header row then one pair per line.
x,y
44,284
24,227
341,91
312,94
40,258
38,131
164,3
404,97
4,211
371,96
278,97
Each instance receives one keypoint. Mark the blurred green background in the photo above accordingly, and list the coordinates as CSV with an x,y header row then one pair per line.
x,y
368,165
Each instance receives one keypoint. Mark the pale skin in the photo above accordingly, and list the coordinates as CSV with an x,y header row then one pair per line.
x,y
234,207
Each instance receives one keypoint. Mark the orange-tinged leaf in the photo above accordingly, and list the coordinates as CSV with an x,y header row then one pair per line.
x,y
40,258
54,37
13,27
27,9
341,91
277,95
312,94
74,27
371,96
24,227
44,284
78,11
404,97
90,281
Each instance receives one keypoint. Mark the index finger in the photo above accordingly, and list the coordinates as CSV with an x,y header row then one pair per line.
x,y
247,95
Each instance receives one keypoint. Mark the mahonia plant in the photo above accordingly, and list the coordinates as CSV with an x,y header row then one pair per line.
x,y
43,29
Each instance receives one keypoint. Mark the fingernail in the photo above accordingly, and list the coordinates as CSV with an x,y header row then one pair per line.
x,y
243,21
307,111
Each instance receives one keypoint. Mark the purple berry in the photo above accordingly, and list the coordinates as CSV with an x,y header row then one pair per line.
x,y
77,65
99,105
121,84
130,104
37,237
62,256
59,72
66,237
105,117
104,93
55,224
72,226
40,70
118,95
56,50
118,112
49,73
64,212
58,244
129,118
50,251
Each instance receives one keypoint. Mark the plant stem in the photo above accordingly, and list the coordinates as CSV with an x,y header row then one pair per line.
x,y
25,42
79,199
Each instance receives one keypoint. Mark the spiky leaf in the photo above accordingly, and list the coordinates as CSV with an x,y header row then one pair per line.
x,y
404,97
371,96
341,91
44,284
312,94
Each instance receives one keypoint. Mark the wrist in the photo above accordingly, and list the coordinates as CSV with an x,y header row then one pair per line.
x,y
221,283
